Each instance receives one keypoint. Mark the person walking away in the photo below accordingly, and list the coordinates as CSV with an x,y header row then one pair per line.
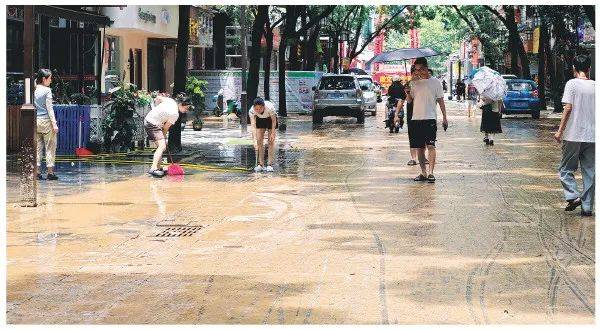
x,y
426,94
490,119
263,117
157,123
472,100
576,133
444,86
458,90
395,94
46,125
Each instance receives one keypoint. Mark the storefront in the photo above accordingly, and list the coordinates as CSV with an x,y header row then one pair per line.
x,y
66,40
140,46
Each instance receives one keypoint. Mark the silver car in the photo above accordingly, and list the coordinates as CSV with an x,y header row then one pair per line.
x,y
369,93
338,95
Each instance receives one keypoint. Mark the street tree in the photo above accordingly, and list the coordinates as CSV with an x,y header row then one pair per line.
x,y
519,60
289,38
181,63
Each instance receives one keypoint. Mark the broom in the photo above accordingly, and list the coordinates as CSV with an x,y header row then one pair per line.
x,y
174,168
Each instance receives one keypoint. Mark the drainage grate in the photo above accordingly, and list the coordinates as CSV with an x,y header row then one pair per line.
x,y
179,231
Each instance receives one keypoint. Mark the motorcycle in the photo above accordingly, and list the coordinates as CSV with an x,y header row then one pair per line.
x,y
391,113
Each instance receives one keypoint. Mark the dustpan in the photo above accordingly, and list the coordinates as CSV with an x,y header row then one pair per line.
x,y
80,151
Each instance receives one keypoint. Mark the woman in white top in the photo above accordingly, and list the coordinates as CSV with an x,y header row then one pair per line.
x,y
158,121
263,117
46,125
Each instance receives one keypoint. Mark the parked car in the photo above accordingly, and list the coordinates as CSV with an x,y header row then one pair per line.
x,y
378,91
338,95
522,98
368,89
509,76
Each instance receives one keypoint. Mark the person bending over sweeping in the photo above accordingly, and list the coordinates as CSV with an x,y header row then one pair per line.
x,y
157,124
263,117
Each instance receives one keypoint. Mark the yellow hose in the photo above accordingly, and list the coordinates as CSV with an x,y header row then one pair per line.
x,y
124,162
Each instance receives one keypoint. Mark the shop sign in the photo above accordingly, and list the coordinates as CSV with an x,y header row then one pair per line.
x,y
536,40
165,17
146,16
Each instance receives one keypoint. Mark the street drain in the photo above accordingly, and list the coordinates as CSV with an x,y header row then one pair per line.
x,y
179,231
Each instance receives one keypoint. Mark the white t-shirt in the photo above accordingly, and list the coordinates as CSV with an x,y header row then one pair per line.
x,y
166,111
580,93
269,111
425,93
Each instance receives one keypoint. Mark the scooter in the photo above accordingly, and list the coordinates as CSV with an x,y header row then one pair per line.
x,y
391,113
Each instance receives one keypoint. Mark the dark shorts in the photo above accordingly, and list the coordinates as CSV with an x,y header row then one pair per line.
x,y
154,132
265,123
422,133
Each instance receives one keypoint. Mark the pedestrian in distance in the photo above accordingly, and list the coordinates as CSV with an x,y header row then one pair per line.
x,y
472,100
395,94
426,93
157,122
263,117
46,124
490,119
576,134
444,86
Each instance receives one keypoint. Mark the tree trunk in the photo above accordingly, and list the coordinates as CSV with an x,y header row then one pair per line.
x,y
220,22
336,53
281,75
558,51
542,61
513,40
181,63
267,61
311,49
254,69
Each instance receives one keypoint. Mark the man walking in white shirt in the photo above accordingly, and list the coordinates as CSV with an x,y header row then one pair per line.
x,y
576,132
427,93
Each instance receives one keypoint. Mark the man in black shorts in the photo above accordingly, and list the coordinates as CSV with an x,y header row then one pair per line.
x,y
426,93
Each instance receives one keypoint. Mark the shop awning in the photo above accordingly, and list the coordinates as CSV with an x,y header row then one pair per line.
x,y
73,14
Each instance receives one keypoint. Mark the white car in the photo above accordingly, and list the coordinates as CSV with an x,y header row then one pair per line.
x,y
369,93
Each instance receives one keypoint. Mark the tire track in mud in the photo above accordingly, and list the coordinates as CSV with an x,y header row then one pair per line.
x,y
380,249
557,271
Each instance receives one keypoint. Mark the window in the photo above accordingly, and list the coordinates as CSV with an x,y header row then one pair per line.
x,y
337,83
520,86
111,45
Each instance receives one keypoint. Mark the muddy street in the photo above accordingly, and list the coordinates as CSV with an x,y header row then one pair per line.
x,y
339,234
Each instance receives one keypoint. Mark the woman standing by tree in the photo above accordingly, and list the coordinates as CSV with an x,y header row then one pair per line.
x,y
46,125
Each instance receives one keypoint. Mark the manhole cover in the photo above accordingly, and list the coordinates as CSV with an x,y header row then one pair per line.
x,y
179,231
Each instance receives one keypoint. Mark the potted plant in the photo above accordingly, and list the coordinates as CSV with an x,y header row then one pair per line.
x,y
195,88
118,123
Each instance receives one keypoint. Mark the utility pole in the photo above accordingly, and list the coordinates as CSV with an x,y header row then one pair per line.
x,y
27,125
244,96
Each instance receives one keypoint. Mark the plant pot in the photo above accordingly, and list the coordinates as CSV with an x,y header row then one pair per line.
x,y
197,124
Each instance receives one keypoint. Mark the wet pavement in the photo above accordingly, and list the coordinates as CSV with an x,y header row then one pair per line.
x,y
339,234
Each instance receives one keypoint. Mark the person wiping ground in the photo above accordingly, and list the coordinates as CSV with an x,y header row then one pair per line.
x,y
263,117
157,123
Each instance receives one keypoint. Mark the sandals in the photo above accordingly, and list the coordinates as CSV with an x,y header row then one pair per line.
x,y
157,173
431,178
420,178
411,163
